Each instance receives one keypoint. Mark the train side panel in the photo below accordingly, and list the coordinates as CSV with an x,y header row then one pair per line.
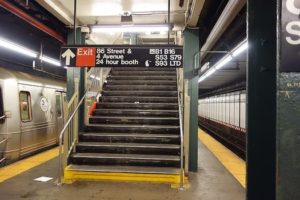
x,y
10,126
39,119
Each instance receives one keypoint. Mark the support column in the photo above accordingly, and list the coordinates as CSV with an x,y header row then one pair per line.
x,y
76,73
191,47
261,100
288,101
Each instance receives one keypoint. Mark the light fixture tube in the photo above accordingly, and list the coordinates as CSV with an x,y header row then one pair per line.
x,y
17,48
130,28
50,60
235,52
240,49
223,62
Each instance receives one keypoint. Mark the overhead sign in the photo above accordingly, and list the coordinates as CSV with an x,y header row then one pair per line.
x,y
122,56
290,36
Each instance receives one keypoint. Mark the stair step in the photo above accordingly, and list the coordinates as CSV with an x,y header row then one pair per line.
x,y
134,120
125,128
129,138
140,87
156,106
132,99
125,169
128,148
135,112
140,93
125,159
162,78
141,82
143,73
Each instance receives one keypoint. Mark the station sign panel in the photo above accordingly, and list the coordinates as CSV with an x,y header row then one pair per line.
x,y
122,56
290,36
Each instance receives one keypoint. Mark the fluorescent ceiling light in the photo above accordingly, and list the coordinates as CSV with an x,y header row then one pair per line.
x,y
50,60
17,48
25,51
227,58
130,28
223,62
240,49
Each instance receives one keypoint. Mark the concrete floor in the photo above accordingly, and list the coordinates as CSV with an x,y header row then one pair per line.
x,y
211,182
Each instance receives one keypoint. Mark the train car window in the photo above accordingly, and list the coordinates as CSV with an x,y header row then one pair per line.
x,y
1,106
25,106
58,105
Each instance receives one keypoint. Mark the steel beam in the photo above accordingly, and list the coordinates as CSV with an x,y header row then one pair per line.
x,y
21,14
261,97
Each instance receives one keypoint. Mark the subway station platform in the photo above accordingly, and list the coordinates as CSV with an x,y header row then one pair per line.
x,y
212,181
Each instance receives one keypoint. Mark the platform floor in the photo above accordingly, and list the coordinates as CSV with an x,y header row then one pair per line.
x,y
211,182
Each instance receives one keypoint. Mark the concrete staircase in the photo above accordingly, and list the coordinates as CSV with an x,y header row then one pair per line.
x,y
134,128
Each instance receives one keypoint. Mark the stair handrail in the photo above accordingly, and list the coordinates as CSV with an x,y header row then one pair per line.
x,y
181,133
61,135
2,117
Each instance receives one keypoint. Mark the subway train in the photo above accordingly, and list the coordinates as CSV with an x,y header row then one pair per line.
x,y
224,117
31,114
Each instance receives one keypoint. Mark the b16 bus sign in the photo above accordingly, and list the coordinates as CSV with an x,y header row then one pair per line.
x,y
290,36
122,56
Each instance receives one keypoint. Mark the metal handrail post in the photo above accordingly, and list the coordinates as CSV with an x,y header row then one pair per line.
x,y
60,171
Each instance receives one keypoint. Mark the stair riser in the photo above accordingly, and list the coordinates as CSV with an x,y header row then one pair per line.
x,y
162,78
132,130
119,139
134,121
137,106
150,113
139,87
141,93
138,99
141,82
127,150
124,162
143,73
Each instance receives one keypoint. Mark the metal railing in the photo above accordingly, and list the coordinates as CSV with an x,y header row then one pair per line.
x,y
181,133
71,127
2,117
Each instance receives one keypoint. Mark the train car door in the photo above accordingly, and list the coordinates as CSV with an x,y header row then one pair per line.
x,y
59,111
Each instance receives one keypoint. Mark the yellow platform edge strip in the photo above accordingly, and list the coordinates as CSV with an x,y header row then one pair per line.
x,y
21,166
72,175
235,165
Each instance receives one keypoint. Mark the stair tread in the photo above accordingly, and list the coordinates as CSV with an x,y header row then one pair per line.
x,y
135,110
131,135
125,169
139,145
132,126
127,156
110,76
139,91
129,103
141,97
124,117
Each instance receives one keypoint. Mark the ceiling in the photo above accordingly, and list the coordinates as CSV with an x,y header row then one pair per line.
x,y
104,12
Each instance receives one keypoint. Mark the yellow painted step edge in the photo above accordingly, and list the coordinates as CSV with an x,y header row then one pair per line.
x,y
72,175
